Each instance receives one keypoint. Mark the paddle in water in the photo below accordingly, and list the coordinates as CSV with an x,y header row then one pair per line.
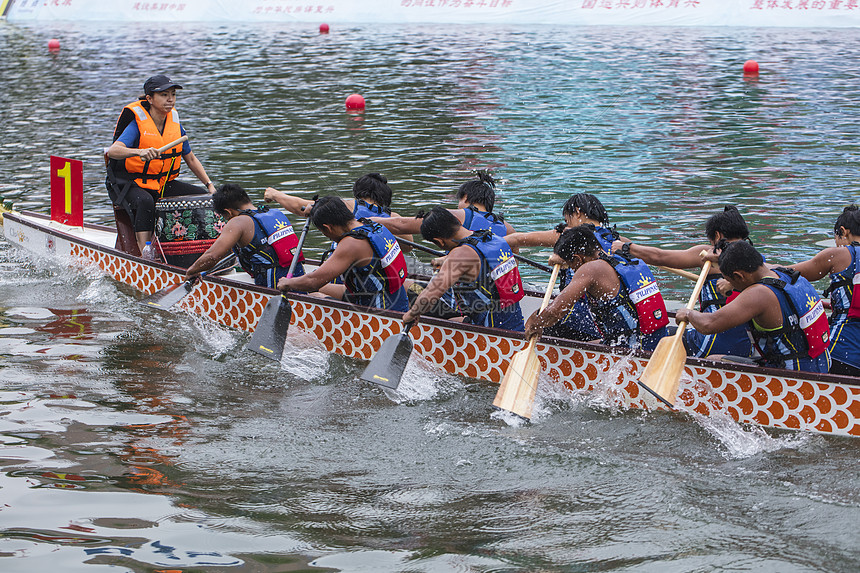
x,y
517,390
167,297
387,365
270,335
662,374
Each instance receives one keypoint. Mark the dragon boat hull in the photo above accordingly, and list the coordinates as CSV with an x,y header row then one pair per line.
x,y
822,403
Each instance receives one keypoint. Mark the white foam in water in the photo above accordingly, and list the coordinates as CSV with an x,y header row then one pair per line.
x,y
422,381
304,356
210,337
741,441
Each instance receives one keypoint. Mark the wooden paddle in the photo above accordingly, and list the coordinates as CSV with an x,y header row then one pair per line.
x,y
681,273
517,390
662,374
172,144
270,334
170,295
387,365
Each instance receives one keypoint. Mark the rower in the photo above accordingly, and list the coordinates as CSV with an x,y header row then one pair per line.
x,y
475,202
622,293
480,267
842,262
729,226
263,240
579,209
367,258
785,315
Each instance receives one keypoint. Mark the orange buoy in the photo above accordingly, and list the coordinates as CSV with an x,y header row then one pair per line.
x,y
323,28
53,44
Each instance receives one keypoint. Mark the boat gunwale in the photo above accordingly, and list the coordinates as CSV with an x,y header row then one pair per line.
x,y
842,380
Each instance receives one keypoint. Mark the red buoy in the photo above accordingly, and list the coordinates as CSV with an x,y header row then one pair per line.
x,y
750,68
354,102
323,28
53,44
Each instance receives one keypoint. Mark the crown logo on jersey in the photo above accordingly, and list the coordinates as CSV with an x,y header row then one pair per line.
x,y
643,281
280,225
389,244
503,257
811,301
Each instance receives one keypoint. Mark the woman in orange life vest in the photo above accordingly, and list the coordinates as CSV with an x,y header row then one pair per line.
x,y
785,315
842,263
137,174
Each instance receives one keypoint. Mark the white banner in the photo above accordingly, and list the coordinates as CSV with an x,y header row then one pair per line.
x,y
795,13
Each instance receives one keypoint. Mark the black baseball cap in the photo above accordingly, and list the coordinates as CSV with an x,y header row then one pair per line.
x,y
158,83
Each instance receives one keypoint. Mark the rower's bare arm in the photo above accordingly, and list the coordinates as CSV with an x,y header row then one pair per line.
x,y
231,234
687,259
347,253
400,226
748,305
830,260
407,236
559,307
293,204
532,239
461,263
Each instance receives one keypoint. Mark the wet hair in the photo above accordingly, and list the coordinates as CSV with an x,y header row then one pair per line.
x,y
588,205
739,256
729,223
850,219
229,196
330,210
439,223
577,241
373,186
481,190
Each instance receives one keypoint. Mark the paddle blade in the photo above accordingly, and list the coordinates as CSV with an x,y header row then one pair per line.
x,y
662,375
519,386
271,333
168,296
387,365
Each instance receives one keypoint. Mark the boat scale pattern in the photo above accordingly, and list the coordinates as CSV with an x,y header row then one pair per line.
x,y
772,398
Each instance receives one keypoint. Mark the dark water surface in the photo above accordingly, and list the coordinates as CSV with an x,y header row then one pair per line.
x,y
149,442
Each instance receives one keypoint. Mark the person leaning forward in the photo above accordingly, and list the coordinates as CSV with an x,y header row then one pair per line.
x,y
262,239
784,312
481,268
137,175
367,257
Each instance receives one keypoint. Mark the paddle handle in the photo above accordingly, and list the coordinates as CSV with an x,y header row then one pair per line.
x,y
700,282
681,273
304,234
533,263
172,144
420,247
546,298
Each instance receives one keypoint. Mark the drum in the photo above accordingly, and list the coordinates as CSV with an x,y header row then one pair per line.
x,y
186,226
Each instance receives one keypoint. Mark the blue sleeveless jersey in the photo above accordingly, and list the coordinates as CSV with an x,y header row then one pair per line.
x,y
789,346
380,282
258,258
480,220
844,333
493,300
735,341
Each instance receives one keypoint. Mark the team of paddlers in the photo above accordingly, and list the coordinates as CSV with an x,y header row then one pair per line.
x,y
748,309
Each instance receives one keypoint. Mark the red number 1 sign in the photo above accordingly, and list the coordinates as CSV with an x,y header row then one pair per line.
x,y
67,191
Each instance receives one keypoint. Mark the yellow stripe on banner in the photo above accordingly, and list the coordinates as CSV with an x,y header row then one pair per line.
x,y
4,6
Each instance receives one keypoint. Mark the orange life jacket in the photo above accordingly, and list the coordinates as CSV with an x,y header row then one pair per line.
x,y
155,173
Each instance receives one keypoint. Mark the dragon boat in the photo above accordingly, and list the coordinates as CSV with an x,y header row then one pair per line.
x,y
823,403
